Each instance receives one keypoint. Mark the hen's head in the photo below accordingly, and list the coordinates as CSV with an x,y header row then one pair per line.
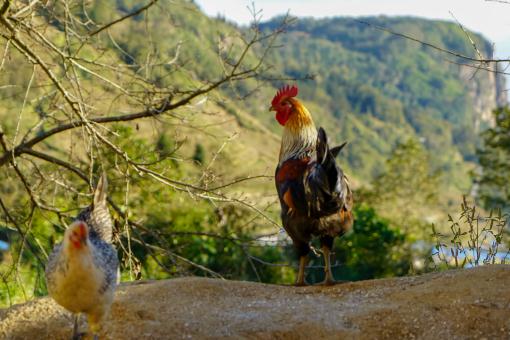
x,y
77,235
283,103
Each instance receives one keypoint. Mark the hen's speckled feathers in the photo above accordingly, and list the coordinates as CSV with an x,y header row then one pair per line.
x,y
96,215
81,273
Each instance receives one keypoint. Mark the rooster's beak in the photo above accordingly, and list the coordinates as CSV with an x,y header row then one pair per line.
x,y
271,108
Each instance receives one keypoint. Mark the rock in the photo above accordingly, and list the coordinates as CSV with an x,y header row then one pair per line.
x,y
469,303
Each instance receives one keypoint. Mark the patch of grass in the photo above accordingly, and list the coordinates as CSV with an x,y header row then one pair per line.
x,y
474,239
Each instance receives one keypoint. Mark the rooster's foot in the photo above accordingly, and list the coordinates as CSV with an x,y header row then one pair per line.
x,y
328,282
301,284
332,282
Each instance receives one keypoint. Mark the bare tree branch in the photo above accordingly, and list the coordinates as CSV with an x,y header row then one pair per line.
x,y
127,16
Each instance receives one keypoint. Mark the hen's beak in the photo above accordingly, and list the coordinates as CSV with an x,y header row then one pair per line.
x,y
79,234
271,108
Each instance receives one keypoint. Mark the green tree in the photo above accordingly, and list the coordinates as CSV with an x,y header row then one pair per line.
x,y
373,249
408,182
494,158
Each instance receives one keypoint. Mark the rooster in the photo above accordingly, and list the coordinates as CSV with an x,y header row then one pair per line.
x,y
314,193
81,274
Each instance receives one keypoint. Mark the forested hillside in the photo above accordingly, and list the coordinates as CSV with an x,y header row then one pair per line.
x,y
369,87
173,106
379,88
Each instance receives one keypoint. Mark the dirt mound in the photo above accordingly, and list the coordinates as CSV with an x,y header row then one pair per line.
x,y
471,303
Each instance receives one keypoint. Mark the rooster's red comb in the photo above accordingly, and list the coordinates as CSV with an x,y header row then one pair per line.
x,y
285,92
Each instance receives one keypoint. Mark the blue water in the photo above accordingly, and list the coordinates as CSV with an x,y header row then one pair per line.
x,y
4,246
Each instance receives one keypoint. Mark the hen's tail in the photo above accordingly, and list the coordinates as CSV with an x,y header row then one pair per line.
x,y
96,215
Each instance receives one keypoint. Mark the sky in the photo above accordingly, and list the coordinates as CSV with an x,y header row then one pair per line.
x,y
490,18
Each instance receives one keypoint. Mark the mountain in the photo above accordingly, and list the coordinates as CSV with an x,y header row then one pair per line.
x,y
370,87
380,88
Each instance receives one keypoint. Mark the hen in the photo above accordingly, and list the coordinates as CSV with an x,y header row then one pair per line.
x,y
314,193
81,274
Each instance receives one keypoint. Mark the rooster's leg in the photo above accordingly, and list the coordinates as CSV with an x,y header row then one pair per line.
x,y
328,280
303,261
326,245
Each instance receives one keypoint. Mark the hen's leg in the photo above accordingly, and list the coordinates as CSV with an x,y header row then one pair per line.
x,y
326,245
76,334
94,320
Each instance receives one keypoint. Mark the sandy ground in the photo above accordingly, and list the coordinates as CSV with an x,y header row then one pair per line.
x,y
462,304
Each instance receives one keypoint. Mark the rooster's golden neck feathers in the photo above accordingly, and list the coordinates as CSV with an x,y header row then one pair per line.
x,y
299,134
